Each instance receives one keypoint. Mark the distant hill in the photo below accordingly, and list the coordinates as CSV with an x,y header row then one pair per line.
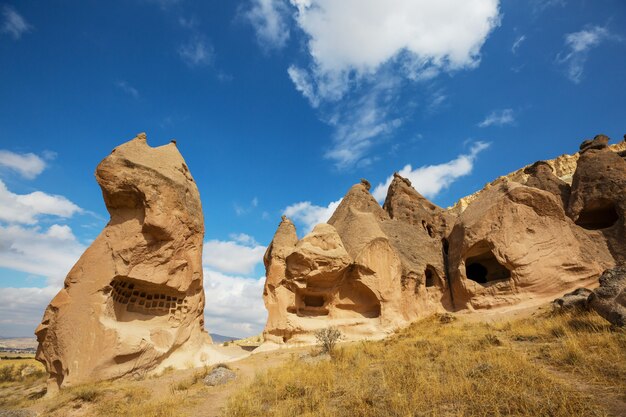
x,y
218,338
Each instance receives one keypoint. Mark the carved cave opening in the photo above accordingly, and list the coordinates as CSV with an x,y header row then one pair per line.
x,y
484,267
313,301
311,304
598,214
430,276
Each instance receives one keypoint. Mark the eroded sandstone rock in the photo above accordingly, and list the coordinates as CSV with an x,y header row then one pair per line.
x,y
367,272
134,301
515,243
526,237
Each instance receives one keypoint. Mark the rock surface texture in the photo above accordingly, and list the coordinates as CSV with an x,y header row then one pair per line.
x,y
134,301
550,227
609,299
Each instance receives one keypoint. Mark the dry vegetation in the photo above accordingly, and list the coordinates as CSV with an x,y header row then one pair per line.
x,y
545,365
540,366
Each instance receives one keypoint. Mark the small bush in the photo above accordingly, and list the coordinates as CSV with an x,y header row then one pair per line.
x,y
327,339
7,373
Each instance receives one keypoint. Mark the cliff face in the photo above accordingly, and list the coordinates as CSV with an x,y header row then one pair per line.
x,y
531,235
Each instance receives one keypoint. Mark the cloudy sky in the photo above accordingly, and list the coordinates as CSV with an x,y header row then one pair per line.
x,y
279,106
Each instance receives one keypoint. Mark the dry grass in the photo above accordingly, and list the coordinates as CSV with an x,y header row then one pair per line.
x,y
545,365
583,344
455,368
114,399
19,379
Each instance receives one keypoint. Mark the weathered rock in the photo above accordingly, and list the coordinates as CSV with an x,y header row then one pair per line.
x,y
361,272
515,243
609,299
541,175
219,376
524,238
598,142
575,300
134,300
564,167
598,200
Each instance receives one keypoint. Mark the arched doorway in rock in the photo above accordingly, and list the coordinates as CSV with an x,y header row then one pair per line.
x,y
482,266
431,278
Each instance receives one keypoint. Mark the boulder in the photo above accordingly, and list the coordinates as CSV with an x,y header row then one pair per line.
x,y
220,375
598,142
134,301
575,300
609,299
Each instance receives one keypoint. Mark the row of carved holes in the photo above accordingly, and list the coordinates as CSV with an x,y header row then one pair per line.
x,y
125,293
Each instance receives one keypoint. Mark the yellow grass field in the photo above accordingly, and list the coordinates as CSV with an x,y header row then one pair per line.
x,y
543,365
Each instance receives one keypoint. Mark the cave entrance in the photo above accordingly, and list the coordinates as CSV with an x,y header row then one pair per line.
x,y
484,267
313,301
430,276
598,214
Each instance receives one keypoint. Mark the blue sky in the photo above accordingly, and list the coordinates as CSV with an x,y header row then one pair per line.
x,y
279,107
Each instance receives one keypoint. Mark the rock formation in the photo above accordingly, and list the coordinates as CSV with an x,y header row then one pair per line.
x,y
609,299
575,300
134,301
548,228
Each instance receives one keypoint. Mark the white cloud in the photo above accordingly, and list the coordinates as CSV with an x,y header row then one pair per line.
x,y
308,215
128,89
518,42
358,124
13,23
234,304
542,5
498,118
198,52
28,165
429,180
233,256
437,100
244,239
579,44
446,34
268,19
355,76
241,210
48,253
304,84
21,309
26,208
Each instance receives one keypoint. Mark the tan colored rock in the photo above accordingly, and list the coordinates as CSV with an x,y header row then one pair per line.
x,y
563,166
368,271
134,301
598,200
526,237
515,243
